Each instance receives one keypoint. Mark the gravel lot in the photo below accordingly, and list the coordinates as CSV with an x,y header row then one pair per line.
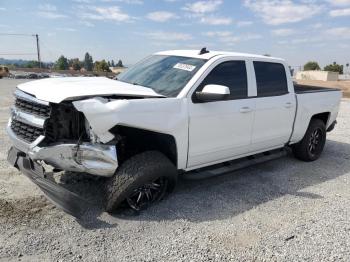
x,y
282,210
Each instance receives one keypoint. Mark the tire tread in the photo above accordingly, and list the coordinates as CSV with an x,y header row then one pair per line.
x,y
136,169
300,150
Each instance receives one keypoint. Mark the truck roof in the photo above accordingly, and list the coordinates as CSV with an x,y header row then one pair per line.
x,y
211,54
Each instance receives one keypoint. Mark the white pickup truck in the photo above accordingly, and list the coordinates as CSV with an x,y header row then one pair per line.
x,y
171,113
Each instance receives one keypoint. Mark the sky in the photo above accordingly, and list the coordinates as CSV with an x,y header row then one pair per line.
x,y
297,31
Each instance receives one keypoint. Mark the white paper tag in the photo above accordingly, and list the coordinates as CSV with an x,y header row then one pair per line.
x,y
185,67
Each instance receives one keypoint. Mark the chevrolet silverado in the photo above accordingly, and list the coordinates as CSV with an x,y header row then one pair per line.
x,y
172,113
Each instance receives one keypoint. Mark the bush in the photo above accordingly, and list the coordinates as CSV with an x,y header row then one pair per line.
x,y
101,66
334,68
312,65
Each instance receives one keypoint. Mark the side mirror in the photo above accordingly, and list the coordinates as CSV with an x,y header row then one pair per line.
x,y
211,93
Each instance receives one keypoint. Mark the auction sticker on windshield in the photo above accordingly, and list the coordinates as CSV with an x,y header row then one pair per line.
x,y
186,67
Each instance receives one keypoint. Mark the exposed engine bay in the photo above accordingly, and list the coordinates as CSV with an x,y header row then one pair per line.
x,y
65,124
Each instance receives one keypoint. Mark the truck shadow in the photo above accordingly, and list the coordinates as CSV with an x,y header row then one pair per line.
x,y
229,195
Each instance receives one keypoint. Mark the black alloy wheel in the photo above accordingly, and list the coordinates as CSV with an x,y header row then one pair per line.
x,y
315,141
312,144
145,195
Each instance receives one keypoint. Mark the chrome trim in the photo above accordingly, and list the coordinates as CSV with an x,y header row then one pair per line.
x,y
19,143
95,159
20,94
26,118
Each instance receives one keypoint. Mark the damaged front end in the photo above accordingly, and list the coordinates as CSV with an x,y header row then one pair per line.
x,y
56,135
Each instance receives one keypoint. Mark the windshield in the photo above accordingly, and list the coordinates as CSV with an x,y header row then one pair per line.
x,y
166,75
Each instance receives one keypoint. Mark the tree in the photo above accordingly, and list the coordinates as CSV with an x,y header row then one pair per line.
x,y
334,68
112,63
62,63
88,62
311,65
31,64
101,66
119,64
75,64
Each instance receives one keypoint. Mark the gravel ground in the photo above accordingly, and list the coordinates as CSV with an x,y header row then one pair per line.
x,y
282,210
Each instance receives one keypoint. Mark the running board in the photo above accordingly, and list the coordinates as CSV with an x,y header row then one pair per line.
x,y
234,165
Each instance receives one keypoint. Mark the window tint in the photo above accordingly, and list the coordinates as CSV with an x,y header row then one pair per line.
x,y
271,79
166,75
232,74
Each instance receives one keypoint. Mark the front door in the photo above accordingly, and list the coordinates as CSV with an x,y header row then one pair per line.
x,y
221,130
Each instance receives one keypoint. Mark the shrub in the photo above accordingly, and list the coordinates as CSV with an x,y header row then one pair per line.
x,y
312,65
334,68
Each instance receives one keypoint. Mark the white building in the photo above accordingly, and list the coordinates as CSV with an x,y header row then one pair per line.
x,y
317,75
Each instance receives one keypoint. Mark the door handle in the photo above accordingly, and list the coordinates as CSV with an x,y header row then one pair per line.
x,y
245,109
288,105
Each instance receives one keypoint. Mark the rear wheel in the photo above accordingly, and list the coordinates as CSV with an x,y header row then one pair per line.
x,y
141,181
312,144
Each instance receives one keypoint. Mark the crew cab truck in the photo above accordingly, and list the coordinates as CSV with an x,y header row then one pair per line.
x,y
171,113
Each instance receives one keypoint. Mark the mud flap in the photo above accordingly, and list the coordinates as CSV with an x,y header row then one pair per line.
x,y
61,197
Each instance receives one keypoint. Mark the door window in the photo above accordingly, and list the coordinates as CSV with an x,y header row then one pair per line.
x,y
271,79
232,74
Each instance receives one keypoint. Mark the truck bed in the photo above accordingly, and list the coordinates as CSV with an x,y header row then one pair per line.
x,y
300,89
313,100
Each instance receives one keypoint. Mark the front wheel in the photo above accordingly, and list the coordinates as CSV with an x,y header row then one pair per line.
x,y
141,181
312,144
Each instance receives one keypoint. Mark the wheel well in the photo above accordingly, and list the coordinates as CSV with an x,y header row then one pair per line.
x,y
131,141
322,116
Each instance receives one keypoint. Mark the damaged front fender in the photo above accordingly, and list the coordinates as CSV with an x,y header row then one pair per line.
x,y
162,115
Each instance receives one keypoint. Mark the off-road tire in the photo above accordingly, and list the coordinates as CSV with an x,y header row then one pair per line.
x,y
302,150
135,172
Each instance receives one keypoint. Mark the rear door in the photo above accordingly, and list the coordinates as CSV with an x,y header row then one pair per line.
x,y
275,106
221,130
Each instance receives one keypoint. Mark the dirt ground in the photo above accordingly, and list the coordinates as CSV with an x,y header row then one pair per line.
x,y
282,210
343,85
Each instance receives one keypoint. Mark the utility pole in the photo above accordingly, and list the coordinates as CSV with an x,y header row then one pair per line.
x,y
38,49
29,35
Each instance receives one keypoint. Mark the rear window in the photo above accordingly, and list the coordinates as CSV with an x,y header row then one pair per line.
x,y
271,79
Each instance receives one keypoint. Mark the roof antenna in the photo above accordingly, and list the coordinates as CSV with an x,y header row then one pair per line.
x,y
203,51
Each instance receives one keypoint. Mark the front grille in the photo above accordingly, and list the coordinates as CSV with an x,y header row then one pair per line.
x,y
32,107
26,132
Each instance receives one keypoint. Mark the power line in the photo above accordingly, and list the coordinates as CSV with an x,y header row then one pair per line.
x,y
18,53
12,34
31,35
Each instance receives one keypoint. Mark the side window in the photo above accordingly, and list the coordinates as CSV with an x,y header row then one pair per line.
x,y
271,79
232,74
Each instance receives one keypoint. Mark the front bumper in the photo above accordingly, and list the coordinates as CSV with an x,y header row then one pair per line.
x,y
70,202
94,159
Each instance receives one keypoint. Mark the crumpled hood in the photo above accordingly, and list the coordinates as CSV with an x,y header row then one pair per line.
x,y
56,90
